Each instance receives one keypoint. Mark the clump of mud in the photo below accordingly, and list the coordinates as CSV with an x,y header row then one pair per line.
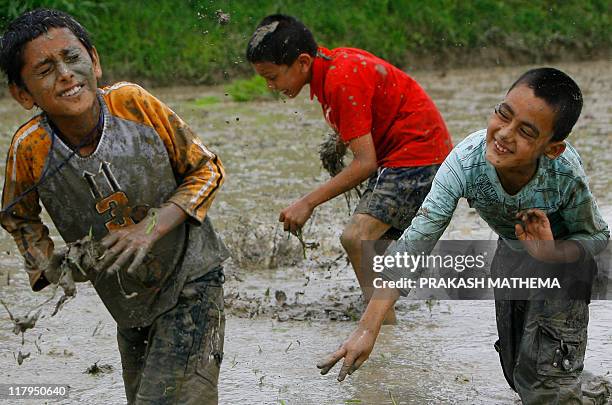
x,y
96,369
331,153
255,244
222,17
346,306
78,259
22,323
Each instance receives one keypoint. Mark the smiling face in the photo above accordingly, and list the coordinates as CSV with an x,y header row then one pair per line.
x,y
288,80
520,131
59,75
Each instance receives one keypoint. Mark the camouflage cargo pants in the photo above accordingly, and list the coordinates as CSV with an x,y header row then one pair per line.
x,y
176,360
541,342
395,194
541,347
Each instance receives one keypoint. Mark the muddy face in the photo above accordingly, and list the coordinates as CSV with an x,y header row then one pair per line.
x,y
60,76
519,131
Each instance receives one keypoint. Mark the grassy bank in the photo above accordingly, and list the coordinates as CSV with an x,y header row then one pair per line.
x,y
167,41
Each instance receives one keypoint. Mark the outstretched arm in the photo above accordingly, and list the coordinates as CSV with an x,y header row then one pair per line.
x,y
362,167
429,223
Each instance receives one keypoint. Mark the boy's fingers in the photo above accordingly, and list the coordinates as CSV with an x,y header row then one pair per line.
x,y
121,260
107,258
519,232
331,360
138,259
357,364
110,239
111,253
346,367
532,215
538,214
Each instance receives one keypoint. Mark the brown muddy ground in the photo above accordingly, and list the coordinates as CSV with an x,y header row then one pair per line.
x,y
284,312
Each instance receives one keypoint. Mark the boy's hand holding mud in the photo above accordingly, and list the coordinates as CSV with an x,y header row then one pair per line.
x,y
132,244
295,216
59,270
53,268
537,238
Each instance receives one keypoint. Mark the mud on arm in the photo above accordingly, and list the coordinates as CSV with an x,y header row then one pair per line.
x,y
199,172
20,215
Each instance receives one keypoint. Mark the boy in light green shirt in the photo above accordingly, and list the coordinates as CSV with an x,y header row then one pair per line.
x,y
529,185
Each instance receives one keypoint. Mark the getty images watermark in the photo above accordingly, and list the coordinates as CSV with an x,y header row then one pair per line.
x,y
484,270
459,263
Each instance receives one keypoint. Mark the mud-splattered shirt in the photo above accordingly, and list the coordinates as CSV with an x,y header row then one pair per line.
x,y
559,188
361,94
199,172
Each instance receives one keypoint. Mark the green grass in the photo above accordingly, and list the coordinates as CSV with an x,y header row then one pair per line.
x,y
184,42
206,101
249,89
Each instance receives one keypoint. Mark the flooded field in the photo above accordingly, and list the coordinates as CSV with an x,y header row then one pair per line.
x,y
286,312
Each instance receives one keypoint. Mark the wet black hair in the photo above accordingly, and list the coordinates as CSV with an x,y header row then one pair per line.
x,y
29,26
560,92
280,39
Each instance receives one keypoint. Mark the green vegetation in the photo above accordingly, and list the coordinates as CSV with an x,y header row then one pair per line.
x,y
249,89
206,101
167,41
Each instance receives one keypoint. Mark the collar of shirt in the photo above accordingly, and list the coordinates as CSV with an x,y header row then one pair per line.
x,y
320,66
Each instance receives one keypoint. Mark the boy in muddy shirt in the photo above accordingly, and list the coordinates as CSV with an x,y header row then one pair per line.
x,y
119,165
394,130
529,185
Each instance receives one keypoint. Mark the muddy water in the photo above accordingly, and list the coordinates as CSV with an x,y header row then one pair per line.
x,y
440,352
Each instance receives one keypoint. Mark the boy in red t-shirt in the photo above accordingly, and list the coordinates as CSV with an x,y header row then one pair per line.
x,y
397,135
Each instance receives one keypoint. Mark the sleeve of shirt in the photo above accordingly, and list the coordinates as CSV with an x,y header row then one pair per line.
x,y
351,107
21,214
583,219
200,172
433,217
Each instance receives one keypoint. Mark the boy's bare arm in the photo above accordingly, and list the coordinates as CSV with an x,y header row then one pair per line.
x,y
357,348
363,165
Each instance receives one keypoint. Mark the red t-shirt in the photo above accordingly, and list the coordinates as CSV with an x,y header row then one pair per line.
x,y
362,94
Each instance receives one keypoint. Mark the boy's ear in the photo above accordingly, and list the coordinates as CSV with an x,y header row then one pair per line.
x,y
97,67
305,61
22,96
554,149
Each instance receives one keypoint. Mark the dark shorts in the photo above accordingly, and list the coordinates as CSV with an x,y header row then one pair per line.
x,y
176,360
394,195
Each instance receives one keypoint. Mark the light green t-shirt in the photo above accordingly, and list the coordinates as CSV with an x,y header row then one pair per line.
x,y
559,188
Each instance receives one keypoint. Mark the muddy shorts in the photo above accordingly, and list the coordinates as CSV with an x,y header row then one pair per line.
x,y
176,360
394,195
541,342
